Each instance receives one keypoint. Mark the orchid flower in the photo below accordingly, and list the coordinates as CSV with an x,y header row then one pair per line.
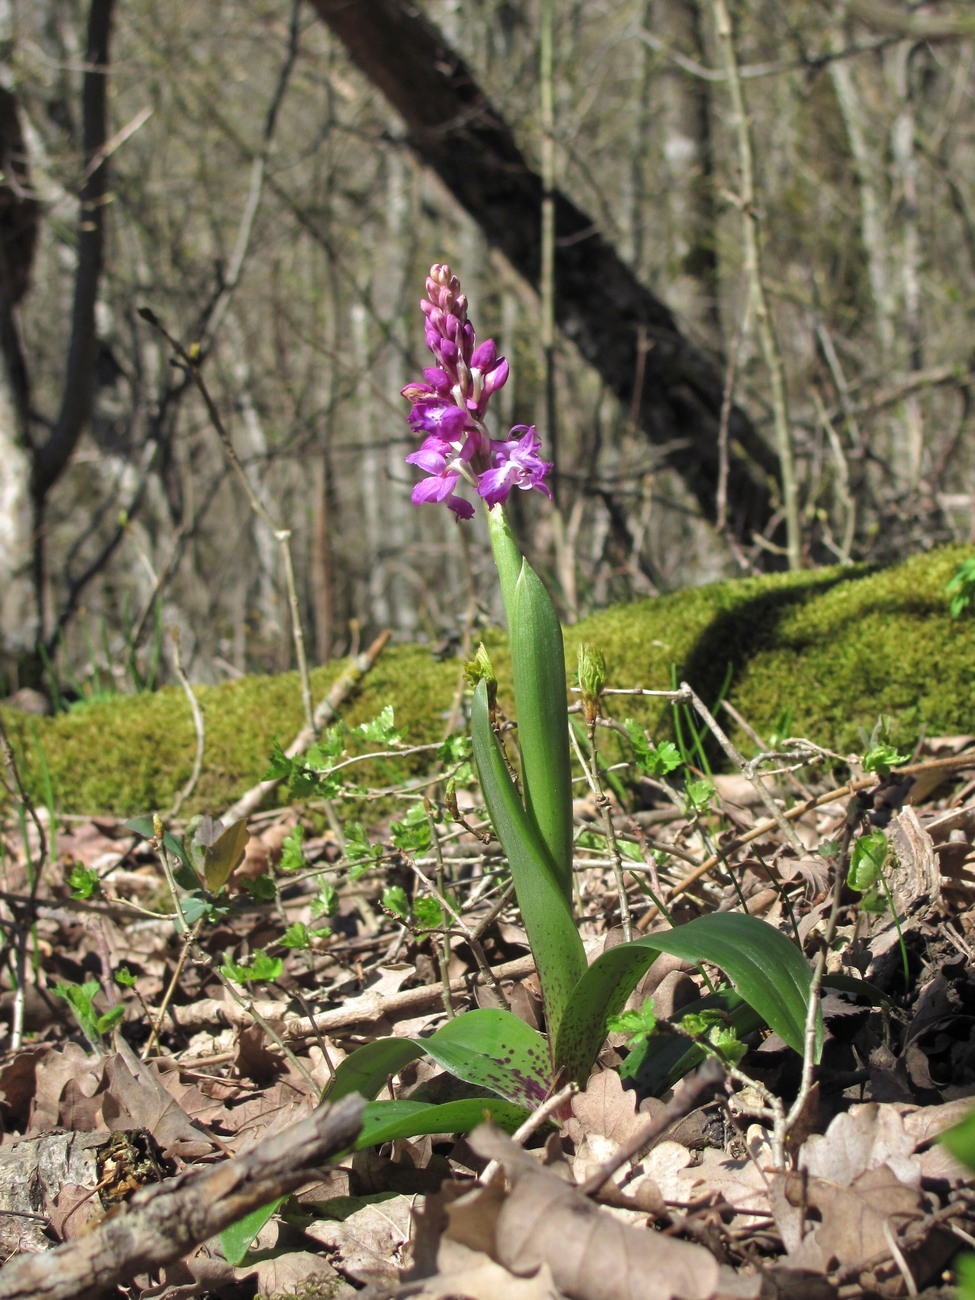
x,y
449,406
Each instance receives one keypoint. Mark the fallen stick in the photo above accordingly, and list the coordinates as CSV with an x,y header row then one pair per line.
x,y
163,1222
365,1009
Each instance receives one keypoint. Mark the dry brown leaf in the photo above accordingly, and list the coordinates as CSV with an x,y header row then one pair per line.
x,y
55,1071
740,1183
592,1256
371,1241
856,1219
299,1272
863,1138
137,1098
465,1274
604,1118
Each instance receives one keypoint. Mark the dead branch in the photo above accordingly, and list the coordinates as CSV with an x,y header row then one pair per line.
x,y
168,1220
366,1009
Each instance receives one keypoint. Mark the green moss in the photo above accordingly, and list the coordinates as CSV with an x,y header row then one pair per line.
x,y
839,646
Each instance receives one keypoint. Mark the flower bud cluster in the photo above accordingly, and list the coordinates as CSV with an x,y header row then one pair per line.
x,y
449,408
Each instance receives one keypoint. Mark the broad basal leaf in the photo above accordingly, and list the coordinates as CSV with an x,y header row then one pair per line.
x,y
489,1048
494,1049
368,1069
765,967
384,1121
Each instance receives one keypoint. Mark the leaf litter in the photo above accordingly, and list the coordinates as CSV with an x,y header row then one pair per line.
x,y
869,1203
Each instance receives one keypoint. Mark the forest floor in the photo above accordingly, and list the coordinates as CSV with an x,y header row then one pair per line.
x,y
866,1201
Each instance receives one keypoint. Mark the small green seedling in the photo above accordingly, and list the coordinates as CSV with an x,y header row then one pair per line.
x,y
81,999
961,588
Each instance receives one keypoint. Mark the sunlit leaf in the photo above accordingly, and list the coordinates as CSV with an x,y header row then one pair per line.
x,y
223,850
538,668
765,967
486,1047
237,1240
545,909
384,1121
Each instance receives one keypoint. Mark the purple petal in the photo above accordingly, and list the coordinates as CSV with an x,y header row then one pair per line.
x,y
484,355
433,415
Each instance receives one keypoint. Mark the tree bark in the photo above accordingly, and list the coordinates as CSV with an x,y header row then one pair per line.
x,y
671,388
19,214
167,1220
51,459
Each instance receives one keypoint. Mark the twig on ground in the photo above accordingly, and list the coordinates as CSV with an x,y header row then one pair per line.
x,y
745,768
167,1220
367,1008
686,1098
956,763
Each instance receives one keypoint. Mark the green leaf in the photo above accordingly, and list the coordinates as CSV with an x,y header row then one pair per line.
x,y
262,888
381,729
223,850
261,969
327,902
428,914
384,1121
81,999
394,900
107,1022
174,846
545,909
412,834
84,881
960,1140
657,1063
538,667
494,1049
765,967
237,1240
296,936
368,1069
488,1048
868,857
292,854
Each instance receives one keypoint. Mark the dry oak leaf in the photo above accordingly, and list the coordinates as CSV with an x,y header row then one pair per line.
x,y
592,1256
465,1274
857,1221
370,1240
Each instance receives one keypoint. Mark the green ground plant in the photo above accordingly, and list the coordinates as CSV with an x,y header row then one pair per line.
x,y
529,802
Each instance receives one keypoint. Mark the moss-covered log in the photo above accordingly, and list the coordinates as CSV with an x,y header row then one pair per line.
x,y
836,646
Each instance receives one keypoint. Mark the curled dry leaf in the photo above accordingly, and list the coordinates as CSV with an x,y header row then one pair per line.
x,y
544,1220
863,1181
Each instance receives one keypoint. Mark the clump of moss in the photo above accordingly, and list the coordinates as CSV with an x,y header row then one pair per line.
x,y
838,646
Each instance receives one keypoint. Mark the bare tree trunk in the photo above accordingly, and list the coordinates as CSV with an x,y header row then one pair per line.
x,y
51,458
18,237
675,393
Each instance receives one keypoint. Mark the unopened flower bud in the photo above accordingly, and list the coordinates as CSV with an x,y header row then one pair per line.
x,y
592,679
479,669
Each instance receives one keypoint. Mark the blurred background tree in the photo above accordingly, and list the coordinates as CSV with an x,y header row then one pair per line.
x,y
272,179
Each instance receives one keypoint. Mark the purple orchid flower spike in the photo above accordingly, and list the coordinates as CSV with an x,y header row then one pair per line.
x,y
449,406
